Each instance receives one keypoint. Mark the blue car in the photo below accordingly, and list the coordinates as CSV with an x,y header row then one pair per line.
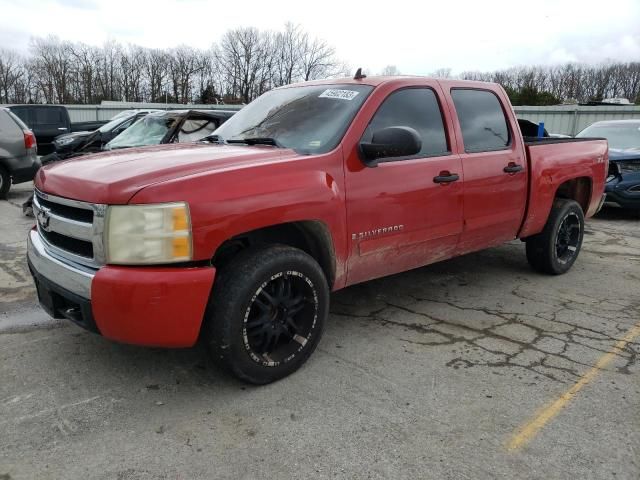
x,y
623,182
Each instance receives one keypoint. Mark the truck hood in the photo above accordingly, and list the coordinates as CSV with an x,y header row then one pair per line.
x,y
114,177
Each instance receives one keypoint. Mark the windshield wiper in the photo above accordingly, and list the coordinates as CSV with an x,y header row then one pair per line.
x,y
212,139
255,141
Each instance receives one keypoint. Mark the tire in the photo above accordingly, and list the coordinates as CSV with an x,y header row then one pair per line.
x,y
5,182
556,248
250,328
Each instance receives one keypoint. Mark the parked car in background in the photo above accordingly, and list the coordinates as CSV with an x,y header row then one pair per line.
x,y
175,126
49,121
623,182
18,158
159,127
80,143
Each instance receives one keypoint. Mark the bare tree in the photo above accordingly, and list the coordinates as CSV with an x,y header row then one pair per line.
x,y
246,63
441,73
243,57
390,70
11,71
52,61
318,59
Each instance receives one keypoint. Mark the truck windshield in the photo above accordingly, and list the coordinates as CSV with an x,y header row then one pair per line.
x,y
308,119
149,130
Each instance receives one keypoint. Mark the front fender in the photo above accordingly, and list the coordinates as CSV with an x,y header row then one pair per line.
x,y
225,204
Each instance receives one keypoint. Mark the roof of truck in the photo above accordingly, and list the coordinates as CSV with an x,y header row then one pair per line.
x,y
376,80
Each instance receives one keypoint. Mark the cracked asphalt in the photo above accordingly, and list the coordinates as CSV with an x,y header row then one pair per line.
x,y
425,374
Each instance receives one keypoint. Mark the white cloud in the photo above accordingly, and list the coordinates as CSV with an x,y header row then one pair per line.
x,y
417,37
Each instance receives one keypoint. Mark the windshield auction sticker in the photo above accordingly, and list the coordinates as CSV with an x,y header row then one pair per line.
x,y
341,94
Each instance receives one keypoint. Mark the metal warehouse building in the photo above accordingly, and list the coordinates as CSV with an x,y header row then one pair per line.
x,y
570,119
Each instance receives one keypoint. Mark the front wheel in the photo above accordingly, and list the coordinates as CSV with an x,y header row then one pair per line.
x,y
267,313
555,249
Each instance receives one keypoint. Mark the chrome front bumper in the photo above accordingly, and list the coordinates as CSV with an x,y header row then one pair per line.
x,y
73,278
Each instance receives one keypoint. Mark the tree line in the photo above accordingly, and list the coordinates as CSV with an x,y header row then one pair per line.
x,y
571,82
243,65
552,85
247,62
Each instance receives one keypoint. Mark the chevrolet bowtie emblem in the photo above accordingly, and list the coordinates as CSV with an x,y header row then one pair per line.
x,y
43,218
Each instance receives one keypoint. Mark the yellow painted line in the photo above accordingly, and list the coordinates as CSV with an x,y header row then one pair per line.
x,y
529,430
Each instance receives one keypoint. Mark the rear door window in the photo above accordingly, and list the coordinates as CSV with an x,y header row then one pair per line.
x,y
417,108
482,120
23,114
47,116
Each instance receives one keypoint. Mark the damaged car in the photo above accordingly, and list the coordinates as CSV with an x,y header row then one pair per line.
x,y
176,126
80,143
623,181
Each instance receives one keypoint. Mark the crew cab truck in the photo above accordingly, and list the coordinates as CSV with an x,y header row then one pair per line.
x,y
238,241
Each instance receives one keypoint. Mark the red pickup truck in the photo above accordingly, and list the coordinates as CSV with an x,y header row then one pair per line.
x,y
238,241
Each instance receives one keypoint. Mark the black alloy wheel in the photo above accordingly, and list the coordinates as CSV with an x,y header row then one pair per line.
x,y
266,313
556,248
280,318
568,238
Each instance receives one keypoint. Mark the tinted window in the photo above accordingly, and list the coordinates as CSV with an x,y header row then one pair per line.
x,y
416,108
47,116
22,114
482,120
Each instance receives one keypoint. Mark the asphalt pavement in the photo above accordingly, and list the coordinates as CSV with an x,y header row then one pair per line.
x,y
473,368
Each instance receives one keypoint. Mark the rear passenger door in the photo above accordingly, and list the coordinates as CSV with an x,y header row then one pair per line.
x,y
400,214
47,123
495,177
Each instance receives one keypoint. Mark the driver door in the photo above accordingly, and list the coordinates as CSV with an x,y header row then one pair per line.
x,y
399,215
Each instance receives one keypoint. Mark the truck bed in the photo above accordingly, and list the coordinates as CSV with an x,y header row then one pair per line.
x,y
528,141
548,160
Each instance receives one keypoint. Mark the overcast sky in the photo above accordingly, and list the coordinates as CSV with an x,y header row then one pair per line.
x,y
418,37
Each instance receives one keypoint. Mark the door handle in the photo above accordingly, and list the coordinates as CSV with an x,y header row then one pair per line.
x,y
446,177
62,128
513,168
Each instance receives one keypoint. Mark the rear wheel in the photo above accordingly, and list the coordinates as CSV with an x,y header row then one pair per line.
x,y
555,249
5,182
267,313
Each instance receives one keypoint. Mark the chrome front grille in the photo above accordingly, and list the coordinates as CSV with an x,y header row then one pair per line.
x,y
71,229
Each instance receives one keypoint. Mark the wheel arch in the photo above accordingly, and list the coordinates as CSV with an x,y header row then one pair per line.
x,y
310,236
579,189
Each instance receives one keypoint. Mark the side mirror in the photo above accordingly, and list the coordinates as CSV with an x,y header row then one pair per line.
x,y
390,142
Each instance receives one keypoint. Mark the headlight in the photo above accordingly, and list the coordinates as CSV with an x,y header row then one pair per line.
x,y
148,234
65,141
